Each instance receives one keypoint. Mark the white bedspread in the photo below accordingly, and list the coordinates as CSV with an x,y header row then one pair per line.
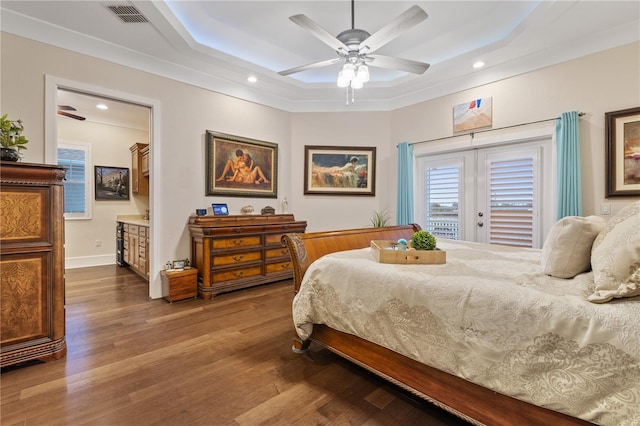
x,y
489,316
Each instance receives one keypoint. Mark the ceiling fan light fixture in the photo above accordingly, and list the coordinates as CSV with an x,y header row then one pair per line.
x,y
342,81
348,71
357,84
363,73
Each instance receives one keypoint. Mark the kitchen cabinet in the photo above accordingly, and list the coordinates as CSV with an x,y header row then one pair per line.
x,y
145,160
239,251
135,242
139,182
32,293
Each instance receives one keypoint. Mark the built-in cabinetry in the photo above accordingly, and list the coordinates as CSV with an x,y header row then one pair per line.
x,y
239,251
32,293
139,164
145,160
135,245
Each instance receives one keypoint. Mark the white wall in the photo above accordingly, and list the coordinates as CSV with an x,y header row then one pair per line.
x,y
185,113
602,82
359,129
109,147
595,84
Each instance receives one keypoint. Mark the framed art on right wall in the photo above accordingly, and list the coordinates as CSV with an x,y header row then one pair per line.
x,y
623,152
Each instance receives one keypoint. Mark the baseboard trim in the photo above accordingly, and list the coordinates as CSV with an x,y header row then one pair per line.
x,y
86,261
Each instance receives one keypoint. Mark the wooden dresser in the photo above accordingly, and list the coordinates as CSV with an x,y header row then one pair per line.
x,y
239,251
32,294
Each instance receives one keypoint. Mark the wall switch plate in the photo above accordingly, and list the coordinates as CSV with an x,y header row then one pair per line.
x,y
605,209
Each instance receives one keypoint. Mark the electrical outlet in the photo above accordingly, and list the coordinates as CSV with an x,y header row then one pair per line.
x,y
605,209
98,243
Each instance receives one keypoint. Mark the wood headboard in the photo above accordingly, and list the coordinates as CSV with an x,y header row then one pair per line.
x,y
306,248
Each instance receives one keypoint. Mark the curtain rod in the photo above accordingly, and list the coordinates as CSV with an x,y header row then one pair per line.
x,y
580,114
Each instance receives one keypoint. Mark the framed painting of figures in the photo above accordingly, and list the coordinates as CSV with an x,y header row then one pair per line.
x,y
337,170
240,167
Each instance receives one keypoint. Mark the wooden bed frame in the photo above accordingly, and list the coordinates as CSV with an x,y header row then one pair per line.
x,y
473,403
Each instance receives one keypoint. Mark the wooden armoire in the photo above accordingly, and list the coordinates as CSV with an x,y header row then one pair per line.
x,y
32,294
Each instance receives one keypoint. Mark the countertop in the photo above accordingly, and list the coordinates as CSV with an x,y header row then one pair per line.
x,y
132,219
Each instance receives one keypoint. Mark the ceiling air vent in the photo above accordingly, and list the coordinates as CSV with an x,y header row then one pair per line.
x,y
128,14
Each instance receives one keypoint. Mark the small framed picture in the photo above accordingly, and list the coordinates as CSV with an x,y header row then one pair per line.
x,y
623,152
178,264
112,183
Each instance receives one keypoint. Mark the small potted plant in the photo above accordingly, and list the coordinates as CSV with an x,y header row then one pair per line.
x,y
11,139
423,240
379,219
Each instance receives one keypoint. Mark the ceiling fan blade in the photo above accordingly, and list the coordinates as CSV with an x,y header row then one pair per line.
x,y
319,32
409,18
68,114
310,66
397,64
66,108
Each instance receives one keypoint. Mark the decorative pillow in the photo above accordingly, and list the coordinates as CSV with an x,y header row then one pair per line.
x,y
615,257
567,249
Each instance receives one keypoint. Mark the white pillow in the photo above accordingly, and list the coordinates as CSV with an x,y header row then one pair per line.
x,y
615,257
567,249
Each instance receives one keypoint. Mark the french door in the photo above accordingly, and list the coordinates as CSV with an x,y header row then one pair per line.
x,y
491,195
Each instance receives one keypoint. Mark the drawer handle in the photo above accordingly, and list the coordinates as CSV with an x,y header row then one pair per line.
x,y
238,258
285,266
238,274
284,252
238,242
238,229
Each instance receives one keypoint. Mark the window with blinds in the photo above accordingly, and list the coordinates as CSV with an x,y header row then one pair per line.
x,y
74,158
511,203
443,200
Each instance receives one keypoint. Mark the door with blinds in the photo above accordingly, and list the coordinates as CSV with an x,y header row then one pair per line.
x,y
489,195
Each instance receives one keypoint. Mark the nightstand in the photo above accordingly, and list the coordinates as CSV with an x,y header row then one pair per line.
x,y
179,285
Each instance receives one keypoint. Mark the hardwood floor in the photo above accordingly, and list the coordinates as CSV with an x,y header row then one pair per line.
x,y
226,361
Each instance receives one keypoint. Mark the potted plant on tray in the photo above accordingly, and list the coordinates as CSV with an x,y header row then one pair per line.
x,y
11,139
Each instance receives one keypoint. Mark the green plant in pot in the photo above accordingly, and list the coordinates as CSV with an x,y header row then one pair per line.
x,y
423,240
11,139
380,219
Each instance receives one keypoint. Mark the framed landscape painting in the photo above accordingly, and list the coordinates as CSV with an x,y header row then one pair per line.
x,y
623,152
338,170
240,167
111,183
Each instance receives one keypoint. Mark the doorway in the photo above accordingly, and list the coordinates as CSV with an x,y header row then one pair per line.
x,y
496,195
92,241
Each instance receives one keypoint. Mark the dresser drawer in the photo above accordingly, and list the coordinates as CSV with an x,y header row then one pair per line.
x,y
236,274
273,239
236,242
133,229
276,252
273,268
142,231
237,258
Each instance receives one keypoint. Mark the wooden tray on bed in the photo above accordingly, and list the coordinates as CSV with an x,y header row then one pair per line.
x,y
384,253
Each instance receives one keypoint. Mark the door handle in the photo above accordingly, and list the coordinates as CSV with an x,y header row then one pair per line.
x,y
480,224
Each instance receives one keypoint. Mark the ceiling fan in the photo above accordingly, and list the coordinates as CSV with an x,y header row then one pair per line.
x,y
355,47
63,110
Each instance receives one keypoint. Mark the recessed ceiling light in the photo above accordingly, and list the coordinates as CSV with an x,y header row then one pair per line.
x,y
102,106
252,79
478,64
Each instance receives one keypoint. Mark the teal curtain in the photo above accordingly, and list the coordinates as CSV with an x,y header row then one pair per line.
x,y
404,208
569,170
